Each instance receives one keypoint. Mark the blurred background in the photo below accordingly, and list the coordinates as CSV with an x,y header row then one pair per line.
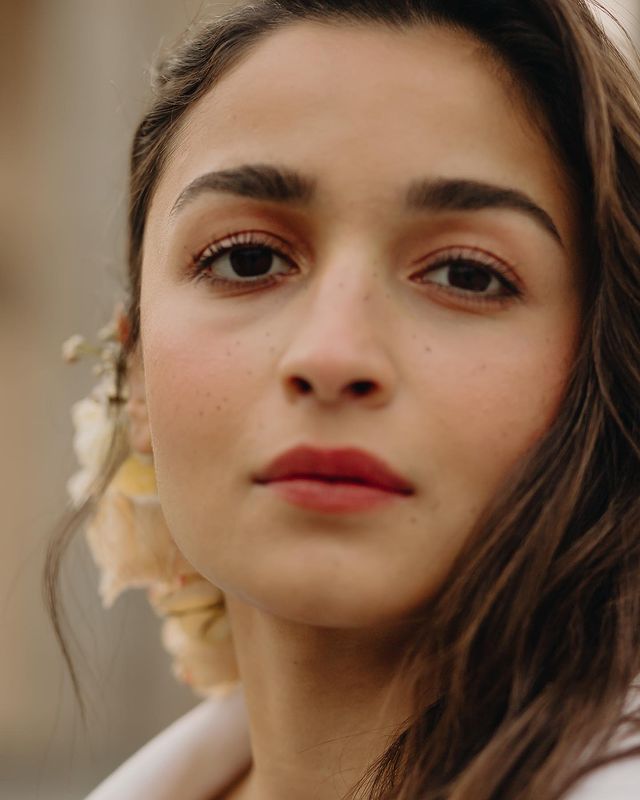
x,y
73,83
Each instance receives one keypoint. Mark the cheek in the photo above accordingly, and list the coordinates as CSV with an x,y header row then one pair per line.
x,y
198,385
489,413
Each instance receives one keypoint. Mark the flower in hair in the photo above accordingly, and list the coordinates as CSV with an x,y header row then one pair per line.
x,y
91,442
93,417
127,533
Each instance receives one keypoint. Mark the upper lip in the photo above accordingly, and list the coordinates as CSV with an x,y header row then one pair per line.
x,y
346,464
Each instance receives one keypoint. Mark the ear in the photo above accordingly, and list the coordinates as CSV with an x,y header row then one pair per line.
x,y
136,408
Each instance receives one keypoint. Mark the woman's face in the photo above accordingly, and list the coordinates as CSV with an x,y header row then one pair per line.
x,y
415,295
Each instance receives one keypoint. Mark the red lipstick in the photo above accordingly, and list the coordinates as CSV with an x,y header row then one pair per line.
x,y
339,481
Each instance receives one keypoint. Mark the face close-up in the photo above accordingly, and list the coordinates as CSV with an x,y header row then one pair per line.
x,y
415,296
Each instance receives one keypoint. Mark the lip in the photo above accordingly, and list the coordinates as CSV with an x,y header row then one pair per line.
x,y
333,480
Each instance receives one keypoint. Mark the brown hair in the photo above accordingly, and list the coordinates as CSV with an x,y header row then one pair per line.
x,y
536,632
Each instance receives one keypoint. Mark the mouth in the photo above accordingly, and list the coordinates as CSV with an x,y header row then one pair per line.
x,y
341,480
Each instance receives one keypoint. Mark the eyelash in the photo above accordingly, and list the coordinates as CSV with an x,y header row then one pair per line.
x,y
203,261
245,239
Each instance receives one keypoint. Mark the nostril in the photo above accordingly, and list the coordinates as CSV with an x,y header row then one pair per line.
x,y
355,388
362,387
301,385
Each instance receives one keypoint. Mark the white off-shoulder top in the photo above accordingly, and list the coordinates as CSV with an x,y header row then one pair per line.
x,y
208,749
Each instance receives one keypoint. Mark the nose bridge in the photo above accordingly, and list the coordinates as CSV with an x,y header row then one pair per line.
x,y
345,300
345,292
339,346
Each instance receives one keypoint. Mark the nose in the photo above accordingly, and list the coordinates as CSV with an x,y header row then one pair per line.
x,y
338,351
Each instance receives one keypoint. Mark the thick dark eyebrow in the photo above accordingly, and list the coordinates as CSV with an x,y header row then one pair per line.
x,y
468,195
256,181
278,185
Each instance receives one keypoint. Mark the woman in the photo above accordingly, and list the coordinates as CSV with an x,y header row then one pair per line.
x,y
385,289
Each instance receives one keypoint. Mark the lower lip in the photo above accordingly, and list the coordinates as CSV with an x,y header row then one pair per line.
x,y
332,497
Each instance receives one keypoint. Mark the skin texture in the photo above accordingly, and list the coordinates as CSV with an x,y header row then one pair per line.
x,y
459,388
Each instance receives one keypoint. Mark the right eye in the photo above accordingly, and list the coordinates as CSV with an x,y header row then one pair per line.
x,y
243,260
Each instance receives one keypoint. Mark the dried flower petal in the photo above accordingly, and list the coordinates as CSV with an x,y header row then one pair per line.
x,y
132,545
195,595
136,477
210,669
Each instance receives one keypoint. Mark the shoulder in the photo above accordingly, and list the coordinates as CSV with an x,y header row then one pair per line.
x,y
197,756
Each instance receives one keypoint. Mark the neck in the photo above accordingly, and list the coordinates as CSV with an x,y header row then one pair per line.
x,y
323,703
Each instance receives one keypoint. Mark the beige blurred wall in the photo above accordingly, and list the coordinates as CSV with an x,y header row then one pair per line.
x,y
73,84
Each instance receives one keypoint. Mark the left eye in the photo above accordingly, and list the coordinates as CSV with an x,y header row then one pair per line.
x,y
465,275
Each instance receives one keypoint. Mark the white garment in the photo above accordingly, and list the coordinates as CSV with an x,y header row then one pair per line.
x,y
206,750
195,758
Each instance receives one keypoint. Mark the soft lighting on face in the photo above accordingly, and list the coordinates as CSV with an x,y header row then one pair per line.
x,y
385,268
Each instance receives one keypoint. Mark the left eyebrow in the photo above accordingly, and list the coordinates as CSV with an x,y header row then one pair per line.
x,y
468,195
280,185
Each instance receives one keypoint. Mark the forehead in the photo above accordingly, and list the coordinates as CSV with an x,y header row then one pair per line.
x,y
365,108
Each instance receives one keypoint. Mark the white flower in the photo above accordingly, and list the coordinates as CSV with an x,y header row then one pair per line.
x,y
93,433
73,348
79,486
94,430
109,332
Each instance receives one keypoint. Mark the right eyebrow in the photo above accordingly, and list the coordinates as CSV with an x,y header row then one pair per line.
x,y
281,185
256,181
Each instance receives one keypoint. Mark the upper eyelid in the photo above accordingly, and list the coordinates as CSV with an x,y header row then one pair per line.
x,y
267,239
461,250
